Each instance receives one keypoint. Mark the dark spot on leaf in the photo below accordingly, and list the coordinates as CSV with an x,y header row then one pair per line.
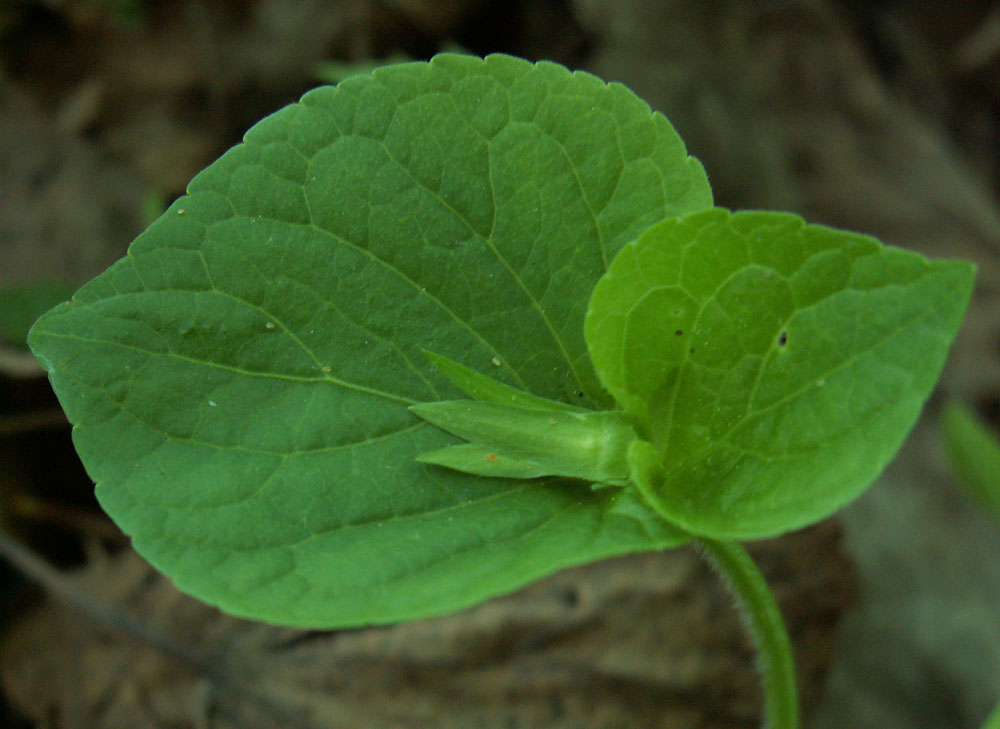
x,y
571,598
579,393
783,339
679,332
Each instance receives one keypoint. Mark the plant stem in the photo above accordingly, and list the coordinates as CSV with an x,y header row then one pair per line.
x,y
993,722
763,619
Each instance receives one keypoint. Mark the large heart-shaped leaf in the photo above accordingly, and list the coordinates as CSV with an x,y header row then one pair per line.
x,y
774,367
239,383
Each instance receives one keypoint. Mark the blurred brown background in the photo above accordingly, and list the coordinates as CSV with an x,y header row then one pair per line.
x,y
880,117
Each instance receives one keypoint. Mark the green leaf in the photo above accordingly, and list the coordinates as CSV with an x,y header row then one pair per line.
x,y
774,366
239,384
974,452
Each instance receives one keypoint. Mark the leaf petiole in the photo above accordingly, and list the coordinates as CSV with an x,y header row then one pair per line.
x,y
515,441
763,620
514,434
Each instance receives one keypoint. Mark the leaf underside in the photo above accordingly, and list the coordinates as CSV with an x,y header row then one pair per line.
x,y
239,382
775,366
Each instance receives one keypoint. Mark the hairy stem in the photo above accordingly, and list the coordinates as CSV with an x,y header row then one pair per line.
x,y
763,619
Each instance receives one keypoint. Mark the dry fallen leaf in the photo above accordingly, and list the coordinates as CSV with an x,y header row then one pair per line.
x,y
643,641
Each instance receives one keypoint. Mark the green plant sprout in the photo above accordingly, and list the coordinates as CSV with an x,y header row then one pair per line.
x,y
974,453
448,327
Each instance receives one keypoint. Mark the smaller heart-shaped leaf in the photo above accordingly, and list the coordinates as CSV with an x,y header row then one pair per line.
x,y
775,366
